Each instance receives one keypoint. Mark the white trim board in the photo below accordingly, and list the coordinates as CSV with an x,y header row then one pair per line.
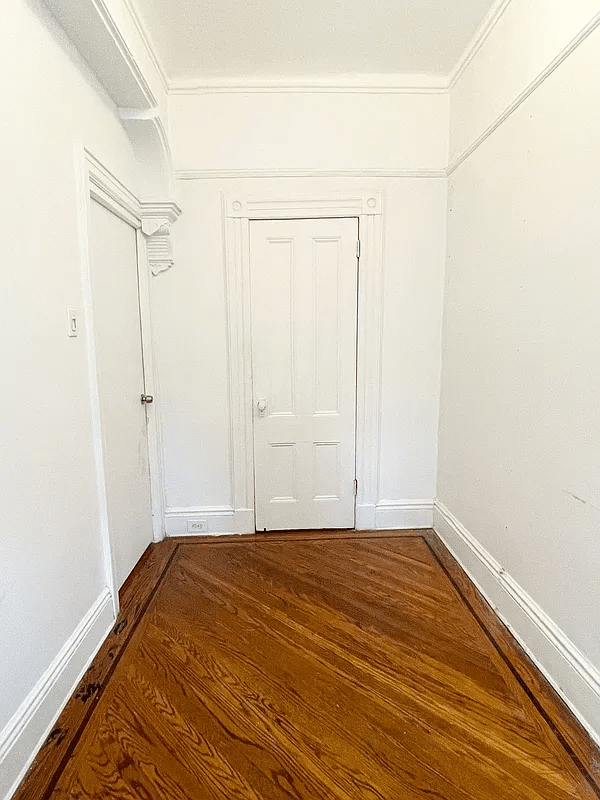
x,y
403,515
490,21
400,515
147,42
95,31
361,83
221,520
374,172
566,668
29,727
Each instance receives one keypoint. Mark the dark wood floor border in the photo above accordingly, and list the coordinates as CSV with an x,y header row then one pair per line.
x,y
135,597
551,707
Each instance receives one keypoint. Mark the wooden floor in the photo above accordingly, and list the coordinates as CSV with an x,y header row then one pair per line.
x,y
332,666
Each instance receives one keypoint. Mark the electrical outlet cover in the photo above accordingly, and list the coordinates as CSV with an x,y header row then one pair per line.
x,y
197,525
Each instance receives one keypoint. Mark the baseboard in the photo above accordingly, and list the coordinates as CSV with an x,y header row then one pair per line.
x,y
567,669
27,730
220,520
405,514
401,515
365,517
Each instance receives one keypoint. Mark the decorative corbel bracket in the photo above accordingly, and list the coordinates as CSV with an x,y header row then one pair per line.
x,y
157,218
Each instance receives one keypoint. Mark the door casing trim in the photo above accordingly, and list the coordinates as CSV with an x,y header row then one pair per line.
x,y
96,182
237,211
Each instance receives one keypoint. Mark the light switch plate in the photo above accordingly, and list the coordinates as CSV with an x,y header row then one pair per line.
x,y
73,328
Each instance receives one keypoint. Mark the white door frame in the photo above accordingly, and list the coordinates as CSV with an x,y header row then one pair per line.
x,y
237,211
96,182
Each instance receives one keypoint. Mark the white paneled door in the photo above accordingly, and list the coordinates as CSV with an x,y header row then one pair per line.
x,y
304,317
118,347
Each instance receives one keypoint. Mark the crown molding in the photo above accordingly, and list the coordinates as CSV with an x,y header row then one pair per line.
x,y
95,32
361,84
147,41
167,209
477,41
222,174
114,30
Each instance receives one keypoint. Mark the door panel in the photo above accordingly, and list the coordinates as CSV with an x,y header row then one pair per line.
x,y
118,345
304,293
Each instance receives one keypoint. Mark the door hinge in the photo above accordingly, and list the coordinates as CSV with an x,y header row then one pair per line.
x,y
355,487
358,248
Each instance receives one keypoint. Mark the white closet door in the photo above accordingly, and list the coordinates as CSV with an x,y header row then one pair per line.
x,y
118,344
304,318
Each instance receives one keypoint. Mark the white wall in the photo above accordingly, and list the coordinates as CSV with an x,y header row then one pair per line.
x,y
267,132
519,464
50,553
323,130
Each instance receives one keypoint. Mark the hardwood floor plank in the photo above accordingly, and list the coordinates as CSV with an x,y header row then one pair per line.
x,y
314,666
366,735
380,675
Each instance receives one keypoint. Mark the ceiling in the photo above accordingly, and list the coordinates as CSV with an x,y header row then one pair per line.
x,y
207,39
